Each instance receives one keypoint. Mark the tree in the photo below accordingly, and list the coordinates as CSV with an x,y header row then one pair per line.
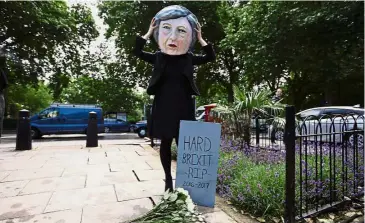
x,y
30,97
315,48
42,38
105,91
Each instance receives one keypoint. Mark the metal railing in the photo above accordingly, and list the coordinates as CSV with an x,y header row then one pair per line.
x,y
324,162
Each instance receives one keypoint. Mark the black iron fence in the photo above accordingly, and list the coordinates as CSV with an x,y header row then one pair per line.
x,y
324,162
265,133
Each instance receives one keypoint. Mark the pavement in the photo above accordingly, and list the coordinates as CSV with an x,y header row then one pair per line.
x,y
62,181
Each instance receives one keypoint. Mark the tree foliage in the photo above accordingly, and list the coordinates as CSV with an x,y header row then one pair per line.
x,y
30,97
44,38
315,48
107,92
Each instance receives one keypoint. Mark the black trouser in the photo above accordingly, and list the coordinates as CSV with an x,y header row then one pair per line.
x,y
165,155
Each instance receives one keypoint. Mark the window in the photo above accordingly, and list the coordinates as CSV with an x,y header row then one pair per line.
x,y
342,111
336,111
49,113
314,113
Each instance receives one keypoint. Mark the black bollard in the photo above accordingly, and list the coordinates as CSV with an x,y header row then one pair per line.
x,y
92,131
23,134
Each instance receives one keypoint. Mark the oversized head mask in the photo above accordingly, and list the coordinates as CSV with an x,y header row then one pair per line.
x,y
175,32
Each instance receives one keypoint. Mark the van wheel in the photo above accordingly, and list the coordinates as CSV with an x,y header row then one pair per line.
x,y
35,133
142,132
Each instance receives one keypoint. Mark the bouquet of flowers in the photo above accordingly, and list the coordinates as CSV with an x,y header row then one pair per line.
x,y
175,206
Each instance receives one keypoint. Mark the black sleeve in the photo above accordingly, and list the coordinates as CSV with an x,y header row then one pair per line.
x,y
3,80
207,57
138,51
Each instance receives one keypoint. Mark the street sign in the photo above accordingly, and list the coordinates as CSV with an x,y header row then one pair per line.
x,y
197,160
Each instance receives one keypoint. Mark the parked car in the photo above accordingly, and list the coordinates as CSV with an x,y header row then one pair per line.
x,y
65,119
140,128
322,120
116,125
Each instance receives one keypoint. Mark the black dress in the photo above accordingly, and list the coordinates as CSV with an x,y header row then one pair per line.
x,y
172,83
173,100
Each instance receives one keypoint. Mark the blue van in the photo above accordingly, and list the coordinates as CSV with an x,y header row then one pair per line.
x,y
65,119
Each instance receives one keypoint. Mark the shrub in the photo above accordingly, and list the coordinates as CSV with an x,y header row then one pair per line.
x,y
253,179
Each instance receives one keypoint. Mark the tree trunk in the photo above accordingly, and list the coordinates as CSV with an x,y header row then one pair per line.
x,y
230,93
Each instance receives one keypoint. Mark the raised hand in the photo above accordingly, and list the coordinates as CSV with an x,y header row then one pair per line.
x,y
150,29
199,34
198,31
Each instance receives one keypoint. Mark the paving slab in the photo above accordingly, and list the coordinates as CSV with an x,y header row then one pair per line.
x,y
83,170
102,179
20,206
103,149
145,153
131,159
101,160
21,164
144,175
27,152
154,164
126,148
12,157
131,191
65,162
70,199
131,156
116,212
10,189
61,148
69,216
53,184
33,174
119,167
4,174
218,217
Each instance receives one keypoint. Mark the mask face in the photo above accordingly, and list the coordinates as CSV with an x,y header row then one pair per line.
x,y
175,36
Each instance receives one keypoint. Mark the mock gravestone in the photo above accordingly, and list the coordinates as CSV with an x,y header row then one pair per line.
x,y
197,160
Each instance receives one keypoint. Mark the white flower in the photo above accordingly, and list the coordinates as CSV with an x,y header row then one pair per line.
x,y
173,197
166,195
188,200
191,207
181,190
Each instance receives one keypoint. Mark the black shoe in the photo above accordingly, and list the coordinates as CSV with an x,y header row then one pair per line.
x,y
169,185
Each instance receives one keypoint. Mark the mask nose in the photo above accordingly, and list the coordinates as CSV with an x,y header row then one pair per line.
x,y
173,36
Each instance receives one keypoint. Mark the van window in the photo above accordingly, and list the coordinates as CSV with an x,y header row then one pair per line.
x,y
49,113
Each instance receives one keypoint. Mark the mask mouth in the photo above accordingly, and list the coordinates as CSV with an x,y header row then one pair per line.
x,y
172,45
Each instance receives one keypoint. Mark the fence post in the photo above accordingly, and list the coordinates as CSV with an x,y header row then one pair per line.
x,y
257,131
289,140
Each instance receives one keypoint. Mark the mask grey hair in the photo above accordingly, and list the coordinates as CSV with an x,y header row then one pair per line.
x,y
175,12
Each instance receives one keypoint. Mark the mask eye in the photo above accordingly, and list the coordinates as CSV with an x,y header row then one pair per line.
x,y
182,31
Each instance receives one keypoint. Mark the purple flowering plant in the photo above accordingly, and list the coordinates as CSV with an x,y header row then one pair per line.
x,y
253,178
